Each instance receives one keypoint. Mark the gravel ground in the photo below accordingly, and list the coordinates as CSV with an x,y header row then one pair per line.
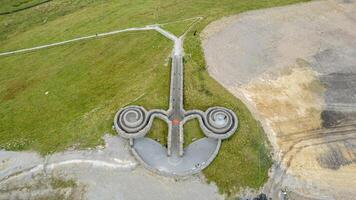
x,y
295,68
108,172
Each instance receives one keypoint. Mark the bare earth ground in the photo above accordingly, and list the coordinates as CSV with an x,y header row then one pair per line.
x,y
295,67
108,172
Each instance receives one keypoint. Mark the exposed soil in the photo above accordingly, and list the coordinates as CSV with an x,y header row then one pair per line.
x,y
295,68
42,186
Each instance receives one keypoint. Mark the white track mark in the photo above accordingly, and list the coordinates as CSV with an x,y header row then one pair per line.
x,y
117,164
120,164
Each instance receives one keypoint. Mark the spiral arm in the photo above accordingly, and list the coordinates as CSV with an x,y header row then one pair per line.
x,y
132,122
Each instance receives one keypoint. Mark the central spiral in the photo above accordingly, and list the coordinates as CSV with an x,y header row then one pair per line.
x,y
131,119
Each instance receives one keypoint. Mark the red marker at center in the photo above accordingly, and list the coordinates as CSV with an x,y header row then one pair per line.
x,y
175,122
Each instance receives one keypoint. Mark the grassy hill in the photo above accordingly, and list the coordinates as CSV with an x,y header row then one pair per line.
x,y
67,96
12,6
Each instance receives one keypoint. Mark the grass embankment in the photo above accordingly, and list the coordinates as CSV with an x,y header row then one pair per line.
x,y
11,6
63,96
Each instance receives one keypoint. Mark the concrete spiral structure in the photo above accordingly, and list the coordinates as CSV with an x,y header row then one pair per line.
x,y
219,123
173,159
132,122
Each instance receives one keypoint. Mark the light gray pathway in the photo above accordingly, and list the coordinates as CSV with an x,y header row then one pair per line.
x,y
75,40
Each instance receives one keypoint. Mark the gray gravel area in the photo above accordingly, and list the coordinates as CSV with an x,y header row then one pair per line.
x,y
109,172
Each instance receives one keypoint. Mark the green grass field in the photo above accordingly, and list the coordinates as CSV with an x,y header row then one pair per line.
x,y
11,6
66,96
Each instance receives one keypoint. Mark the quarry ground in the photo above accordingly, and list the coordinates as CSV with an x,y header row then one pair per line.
x,y
295,68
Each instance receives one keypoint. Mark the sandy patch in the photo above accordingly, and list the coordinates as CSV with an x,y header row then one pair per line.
x,y
291,103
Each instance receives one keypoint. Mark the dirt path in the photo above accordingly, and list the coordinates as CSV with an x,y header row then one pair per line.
x,y
295,68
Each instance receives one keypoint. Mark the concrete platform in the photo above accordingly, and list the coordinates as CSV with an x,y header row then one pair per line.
x,y
197,156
